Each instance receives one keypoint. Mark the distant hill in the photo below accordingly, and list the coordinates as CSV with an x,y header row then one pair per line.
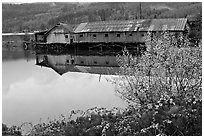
x,y
41,16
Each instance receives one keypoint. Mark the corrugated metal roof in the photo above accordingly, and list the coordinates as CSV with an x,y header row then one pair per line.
x,y
80,27
168,24
133,25
107,26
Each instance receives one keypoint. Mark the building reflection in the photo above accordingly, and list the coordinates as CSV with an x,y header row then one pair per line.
x,y
94,64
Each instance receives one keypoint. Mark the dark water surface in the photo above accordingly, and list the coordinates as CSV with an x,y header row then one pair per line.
x,y
31,92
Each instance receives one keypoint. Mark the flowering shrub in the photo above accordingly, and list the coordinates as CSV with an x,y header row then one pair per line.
x,y
10,131
168,117
170,71
168,68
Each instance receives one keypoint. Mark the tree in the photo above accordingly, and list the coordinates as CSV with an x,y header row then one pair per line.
x,y
101,13
169,67
195,34
164,85
42,26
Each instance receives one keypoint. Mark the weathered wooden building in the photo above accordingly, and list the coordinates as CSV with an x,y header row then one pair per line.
x,y
127,31
107,31
60,33
107,36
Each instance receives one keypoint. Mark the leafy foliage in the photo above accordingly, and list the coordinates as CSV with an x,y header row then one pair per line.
x,y
196,32
169,67
10,131
162,119
170,72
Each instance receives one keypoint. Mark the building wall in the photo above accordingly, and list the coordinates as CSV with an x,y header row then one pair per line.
x,y
58,36
141,36
109,37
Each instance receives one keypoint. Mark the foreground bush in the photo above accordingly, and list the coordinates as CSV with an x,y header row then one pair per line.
x,y
10,131
167,117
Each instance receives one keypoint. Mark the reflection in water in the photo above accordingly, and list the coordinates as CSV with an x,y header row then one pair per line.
x,y
79,63
9,55
10,52
31,92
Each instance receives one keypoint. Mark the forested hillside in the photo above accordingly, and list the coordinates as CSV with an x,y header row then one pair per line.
x,y
41,16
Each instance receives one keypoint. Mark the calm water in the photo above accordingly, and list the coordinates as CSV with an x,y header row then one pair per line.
x,y
31,92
